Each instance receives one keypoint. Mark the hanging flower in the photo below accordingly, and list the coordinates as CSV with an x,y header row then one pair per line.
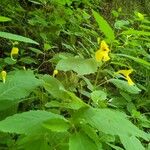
x,y
55,72
3,74
14,51
102,53
126,74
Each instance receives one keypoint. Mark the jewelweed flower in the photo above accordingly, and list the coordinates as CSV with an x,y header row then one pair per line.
x,y
126,74
3,74
55,72
102,53
14,51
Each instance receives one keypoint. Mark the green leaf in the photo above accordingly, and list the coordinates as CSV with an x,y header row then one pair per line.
x,y
80,141
4,19
27,122
136,32
123,85
79,65
92,134
138,60
54,87
57,125
115,147
57,90
19,84
16,37
131,143
111,122
35,50
104,26
98,95
28,60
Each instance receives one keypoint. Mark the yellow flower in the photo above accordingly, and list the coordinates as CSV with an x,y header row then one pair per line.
x,y
101,56
104,46
126,74
102,53
14,51
3,74
55,72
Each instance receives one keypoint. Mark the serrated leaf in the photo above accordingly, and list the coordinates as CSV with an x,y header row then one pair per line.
x,y
81,141
57,125
16,37
27,122
19,84
104,26
123,85
131,143
4,19
79,65
34,142
111,122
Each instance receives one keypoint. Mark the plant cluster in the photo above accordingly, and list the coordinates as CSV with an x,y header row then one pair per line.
x,y
72,80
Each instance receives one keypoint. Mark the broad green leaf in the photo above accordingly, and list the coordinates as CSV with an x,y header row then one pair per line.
x,y
19,84
16,37
4,19
57,90
136,32
43,141
56,125
34,142
79,65
123,85
80,141
75,102
27,122
98,95
131,143
111,122
104,26
54,87
92,134
138,60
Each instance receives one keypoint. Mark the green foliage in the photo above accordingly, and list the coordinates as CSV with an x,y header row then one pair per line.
x,y
78,65
123,85
4,19
54,94
104,26
16,37
27,122
19,85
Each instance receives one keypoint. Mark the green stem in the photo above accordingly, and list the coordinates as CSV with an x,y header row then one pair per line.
x,y
97,76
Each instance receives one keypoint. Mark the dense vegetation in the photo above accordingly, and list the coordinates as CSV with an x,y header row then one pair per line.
x,y
75,75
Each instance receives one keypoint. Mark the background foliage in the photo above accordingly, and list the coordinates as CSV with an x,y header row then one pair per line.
x,y
56,95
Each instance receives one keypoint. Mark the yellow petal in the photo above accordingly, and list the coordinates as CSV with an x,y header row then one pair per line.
x,y
101,56
105,56
3,74
14,51
55,72
104,46
125,72
130,82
